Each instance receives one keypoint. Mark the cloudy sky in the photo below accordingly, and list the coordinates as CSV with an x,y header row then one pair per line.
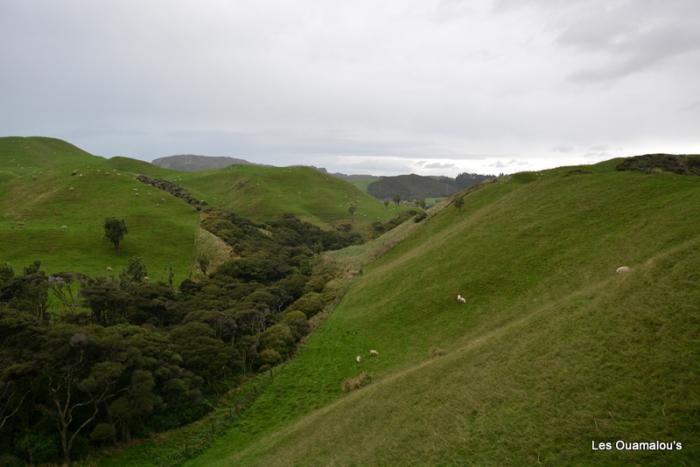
x,y
358,86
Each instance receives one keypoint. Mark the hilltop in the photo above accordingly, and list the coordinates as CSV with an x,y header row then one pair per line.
x,y
553,349
262,193
194,163
54,198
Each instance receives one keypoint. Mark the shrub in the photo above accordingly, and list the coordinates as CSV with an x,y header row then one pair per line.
x,y
419,217
359,381
297,322
310,303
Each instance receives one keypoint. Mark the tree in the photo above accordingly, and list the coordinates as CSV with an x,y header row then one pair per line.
x,y
397,199
386,203
421,203
115,229
135,271
459,202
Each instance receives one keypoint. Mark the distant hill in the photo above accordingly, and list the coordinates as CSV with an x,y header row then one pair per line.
x,y
263,193
414,186
194,163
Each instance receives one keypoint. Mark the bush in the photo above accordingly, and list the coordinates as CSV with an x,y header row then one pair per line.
x,y
419,217
359,381
297,322
310,303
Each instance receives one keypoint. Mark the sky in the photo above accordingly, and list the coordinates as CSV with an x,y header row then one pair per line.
x,y
362,86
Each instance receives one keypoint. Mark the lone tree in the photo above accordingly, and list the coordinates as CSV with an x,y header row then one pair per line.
x,y
397,199
115,229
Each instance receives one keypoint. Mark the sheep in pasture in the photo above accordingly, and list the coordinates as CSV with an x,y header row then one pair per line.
x,y
623,269
358,359
461,299
373,353
109,268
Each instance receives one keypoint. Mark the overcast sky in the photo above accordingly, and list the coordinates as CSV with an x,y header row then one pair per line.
x,y
361,86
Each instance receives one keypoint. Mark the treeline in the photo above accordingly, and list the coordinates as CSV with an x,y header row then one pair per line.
x,y
127,356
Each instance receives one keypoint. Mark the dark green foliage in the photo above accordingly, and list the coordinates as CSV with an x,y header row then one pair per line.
x,y
459,202
678,164
310,304
133,356
115,229
135,271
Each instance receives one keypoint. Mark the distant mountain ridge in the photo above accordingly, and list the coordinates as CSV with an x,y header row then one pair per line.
x,y
195,163
410,187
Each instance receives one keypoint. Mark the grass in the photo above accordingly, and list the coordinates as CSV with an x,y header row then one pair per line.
x,y
553,349
46,213
264,193
362,182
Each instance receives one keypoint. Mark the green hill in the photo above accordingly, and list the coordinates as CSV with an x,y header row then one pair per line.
x,y
263,193
54,198
553,349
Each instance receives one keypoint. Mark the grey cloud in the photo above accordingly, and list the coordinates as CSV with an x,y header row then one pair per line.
x,y
474,82
438,165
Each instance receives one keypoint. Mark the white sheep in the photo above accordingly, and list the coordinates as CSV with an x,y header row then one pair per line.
x,y
358,359
461,299
623,269
373,353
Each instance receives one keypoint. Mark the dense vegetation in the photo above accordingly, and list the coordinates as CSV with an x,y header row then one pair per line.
x,y
414,187
129,356
679,164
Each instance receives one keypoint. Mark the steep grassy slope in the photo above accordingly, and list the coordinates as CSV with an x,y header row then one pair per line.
x,y
552,350
49,213
263,193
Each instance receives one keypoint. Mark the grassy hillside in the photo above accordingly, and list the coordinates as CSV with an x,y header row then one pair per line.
x,y
54,198
263,193
552,350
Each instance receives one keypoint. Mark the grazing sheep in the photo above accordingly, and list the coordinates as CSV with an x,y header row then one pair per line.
x,y
109,268
373,353
623,269
461,299
358,359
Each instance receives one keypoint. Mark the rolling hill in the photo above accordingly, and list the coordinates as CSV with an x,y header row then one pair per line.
x,y
54,198
552,351
263,193
193,163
